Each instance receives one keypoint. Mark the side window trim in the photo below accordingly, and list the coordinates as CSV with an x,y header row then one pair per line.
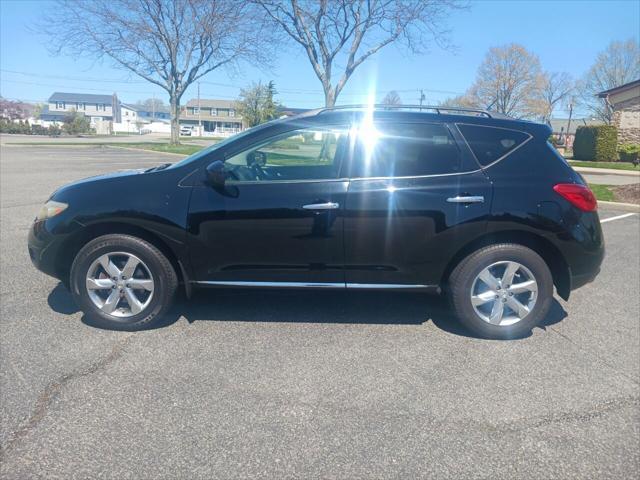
x,y
499,159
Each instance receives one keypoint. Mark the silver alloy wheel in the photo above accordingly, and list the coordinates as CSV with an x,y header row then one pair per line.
x,y
504,293
120,284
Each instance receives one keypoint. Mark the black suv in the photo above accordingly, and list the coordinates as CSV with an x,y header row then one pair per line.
x,y
470,203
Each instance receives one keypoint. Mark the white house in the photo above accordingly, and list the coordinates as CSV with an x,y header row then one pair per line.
x,y
127,120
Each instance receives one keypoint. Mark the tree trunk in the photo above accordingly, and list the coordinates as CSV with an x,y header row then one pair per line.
x,y
329,97
175,120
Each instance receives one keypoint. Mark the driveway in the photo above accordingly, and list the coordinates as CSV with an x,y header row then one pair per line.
x,y
252,384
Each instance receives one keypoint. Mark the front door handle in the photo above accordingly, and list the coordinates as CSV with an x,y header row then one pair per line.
x,y
466,199
322,206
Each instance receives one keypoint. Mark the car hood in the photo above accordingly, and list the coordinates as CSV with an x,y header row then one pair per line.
x,y
87,182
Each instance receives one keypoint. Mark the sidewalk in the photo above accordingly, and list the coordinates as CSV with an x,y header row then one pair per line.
x,y
607,171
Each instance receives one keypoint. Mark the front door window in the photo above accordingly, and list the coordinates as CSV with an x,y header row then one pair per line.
x,y
306,154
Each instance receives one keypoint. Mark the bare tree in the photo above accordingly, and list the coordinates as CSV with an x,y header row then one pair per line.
x,y
618,64
170,43
467,100
556,88
339,35
392,98
153,105
509,81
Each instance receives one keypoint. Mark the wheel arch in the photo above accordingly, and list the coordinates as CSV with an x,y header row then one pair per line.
x,y
74,243
550,254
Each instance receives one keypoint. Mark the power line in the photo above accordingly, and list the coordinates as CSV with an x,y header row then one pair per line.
x,y
292,91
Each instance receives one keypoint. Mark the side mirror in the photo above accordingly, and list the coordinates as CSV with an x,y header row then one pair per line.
x,y
216,176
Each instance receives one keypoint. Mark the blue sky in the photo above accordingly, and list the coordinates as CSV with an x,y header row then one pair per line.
x,y
566,35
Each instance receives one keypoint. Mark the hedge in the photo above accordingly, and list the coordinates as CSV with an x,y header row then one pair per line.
x,y
596,143
629,152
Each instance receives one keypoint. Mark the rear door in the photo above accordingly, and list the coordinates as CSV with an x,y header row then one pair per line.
x,y
415,196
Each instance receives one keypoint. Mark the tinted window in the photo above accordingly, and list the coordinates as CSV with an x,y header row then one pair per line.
x,y
306,154
405,150
489,144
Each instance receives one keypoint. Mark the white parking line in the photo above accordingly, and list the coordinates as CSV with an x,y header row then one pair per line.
x,y
617,218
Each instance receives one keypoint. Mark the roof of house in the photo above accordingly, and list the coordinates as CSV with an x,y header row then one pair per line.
x,y
157,113
619,89
81,97
46,114
129,106
211,103
560,124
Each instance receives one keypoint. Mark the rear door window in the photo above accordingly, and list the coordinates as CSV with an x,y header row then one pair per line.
x,y
405,150
489,144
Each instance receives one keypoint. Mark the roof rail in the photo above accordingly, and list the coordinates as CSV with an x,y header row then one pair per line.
x,y
436,108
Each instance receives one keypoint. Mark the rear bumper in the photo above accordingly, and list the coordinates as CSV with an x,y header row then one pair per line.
x,y
578,281
586,255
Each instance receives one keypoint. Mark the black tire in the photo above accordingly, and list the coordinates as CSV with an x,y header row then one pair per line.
x,y
161,270
461,283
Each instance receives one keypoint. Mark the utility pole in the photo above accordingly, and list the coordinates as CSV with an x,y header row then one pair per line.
x,y
199,117
422,97
569,121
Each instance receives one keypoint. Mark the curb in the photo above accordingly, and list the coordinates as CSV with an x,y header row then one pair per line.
x,y
606,171
625,207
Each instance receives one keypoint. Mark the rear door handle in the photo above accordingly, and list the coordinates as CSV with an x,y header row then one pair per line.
x,y
322,206
466,199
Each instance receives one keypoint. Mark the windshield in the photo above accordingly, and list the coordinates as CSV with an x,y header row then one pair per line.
x,y
206,151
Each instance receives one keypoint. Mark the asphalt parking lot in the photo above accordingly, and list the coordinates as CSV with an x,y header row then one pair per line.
x,y
259,384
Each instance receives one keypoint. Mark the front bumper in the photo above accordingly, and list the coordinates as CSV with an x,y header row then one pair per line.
x,y
44,249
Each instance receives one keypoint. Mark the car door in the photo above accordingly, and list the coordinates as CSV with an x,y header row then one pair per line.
x,y
416,196
278,221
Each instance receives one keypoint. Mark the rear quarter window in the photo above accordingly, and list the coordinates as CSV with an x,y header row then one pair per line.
x,y
489,144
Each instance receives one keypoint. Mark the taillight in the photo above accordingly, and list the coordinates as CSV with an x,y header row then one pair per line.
x,y
577,195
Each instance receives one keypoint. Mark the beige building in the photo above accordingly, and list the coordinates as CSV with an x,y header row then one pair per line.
x,y
624,102
96,107
217,117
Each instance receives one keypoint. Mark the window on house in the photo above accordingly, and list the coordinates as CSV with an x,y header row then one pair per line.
x,y
214,112
196,110
232,113
60,105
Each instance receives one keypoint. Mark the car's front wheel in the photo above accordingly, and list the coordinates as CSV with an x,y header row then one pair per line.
x,y
501,291
122,282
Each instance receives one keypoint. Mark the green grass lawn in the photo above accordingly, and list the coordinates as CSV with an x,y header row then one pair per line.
x,y
189,137
602,192
182,149
613,165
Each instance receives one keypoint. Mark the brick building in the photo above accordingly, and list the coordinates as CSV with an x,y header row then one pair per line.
x,y
624,102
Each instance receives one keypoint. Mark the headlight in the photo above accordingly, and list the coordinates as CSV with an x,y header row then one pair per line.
x,y
51,209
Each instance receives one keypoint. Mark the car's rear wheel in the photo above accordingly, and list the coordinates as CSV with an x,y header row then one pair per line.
x,y
122,282
501,291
